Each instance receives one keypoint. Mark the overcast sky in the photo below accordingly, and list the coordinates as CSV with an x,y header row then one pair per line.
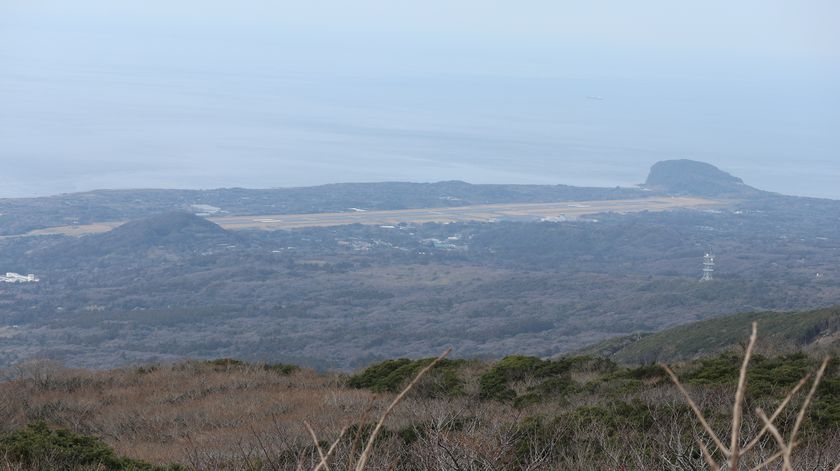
x,y
164,93
490,34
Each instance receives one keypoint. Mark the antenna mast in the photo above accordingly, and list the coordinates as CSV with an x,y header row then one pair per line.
x,y
708,267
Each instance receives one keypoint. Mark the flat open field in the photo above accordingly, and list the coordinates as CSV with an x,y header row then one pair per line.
x,y
487,212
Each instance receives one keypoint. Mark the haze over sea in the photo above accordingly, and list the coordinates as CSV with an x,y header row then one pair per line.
x,y
116,101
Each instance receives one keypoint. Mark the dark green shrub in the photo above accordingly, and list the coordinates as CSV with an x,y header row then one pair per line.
x,y
412,433
644,372
530,433
391,376
39,446
616,416
495,384
384,376
765,376
776,376
281,368
825,410
141,370
722,369
590,364
224,363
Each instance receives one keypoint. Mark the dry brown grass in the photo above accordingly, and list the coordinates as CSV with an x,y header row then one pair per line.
x,y
243,417
163,414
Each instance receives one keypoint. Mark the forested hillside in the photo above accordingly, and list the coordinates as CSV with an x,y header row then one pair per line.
x,y
783,332
172,286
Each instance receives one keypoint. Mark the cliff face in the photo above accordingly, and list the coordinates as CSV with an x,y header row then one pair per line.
x,y
690,177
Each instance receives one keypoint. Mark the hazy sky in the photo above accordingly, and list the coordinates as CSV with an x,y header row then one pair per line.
x,y
184,93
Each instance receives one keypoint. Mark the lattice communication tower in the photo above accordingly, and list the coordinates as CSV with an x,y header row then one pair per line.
x,y
708,267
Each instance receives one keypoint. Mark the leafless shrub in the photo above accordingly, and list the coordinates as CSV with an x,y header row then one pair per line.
x,y
734,453
249,419
42,373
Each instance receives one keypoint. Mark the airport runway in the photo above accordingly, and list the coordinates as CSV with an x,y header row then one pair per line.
x,y
568,210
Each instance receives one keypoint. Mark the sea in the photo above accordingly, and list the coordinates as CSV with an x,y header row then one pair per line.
x,y
70,129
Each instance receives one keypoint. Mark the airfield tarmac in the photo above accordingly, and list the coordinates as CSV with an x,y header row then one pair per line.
x,y
559,211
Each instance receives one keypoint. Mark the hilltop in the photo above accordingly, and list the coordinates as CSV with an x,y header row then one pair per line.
x,y
173,233
168,229
690,177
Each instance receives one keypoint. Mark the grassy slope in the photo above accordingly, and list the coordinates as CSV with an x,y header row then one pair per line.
x,y
515,413
779,332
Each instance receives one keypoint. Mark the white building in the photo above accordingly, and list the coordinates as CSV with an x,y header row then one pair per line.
x,y
18,278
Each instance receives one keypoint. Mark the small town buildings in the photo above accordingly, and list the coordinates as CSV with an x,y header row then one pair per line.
x,y
18,278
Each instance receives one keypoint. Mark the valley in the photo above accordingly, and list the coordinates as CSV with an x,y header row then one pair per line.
x,y
171,285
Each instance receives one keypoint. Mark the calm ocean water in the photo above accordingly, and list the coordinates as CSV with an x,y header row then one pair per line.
x,y
64,130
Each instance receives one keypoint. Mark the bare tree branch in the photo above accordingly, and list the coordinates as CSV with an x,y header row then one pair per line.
x,y
768,462
801,416
317,446
776,414
778,437
708,456
737,408
363,459
696,410
331,450
359,429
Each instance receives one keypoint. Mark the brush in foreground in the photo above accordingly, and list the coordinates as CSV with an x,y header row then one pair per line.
x,y
735,452
363,458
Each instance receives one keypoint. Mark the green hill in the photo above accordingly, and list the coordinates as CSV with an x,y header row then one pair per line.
x,y
690,177
780,332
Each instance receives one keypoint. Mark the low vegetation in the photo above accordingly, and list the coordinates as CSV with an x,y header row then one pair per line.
x,y
520,412
38,446
391,376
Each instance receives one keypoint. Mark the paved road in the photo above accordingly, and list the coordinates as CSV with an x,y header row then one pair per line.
x,y
568,210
